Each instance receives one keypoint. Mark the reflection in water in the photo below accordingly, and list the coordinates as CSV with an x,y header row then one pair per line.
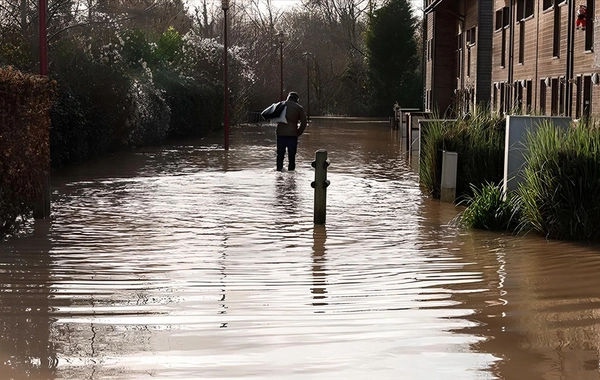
x,y
187,262
286,192
319,289
223,304
25,293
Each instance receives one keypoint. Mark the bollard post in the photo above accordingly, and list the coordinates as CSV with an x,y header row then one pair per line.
x,y
449,168
320,185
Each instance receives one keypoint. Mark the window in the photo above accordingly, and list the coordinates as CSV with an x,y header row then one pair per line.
x,y
524,9
554,97
529,87
503,52
521,42
556,33
502,96
519,96
548,4
561,96
499,19
578,98
589,26
505,17
458,55
587,96
471,36
459,63
542,97
469,62
430,99
495,97
529,6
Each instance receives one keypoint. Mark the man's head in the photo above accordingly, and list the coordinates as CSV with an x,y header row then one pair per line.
x,y
293,96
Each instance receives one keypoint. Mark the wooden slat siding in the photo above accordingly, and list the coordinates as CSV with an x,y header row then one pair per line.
x,y
548,65
591,67
538,53
584,62
471,20
428,66
483,71
526,70
429,63
584,65
499,73
444,68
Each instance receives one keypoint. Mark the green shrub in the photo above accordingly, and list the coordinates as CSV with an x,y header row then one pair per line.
x,y
136,49
561,187
169,46
68,135
196,106
488,209
104,106
100,91
148,121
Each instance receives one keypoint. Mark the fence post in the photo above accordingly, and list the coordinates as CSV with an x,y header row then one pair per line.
x,y
320,185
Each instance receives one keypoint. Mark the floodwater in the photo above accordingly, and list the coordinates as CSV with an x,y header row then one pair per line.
x,y
188,262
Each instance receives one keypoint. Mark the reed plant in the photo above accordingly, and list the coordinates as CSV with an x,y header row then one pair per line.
x,y
478,138
560,192
489,209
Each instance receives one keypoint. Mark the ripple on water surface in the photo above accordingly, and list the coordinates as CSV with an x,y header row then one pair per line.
x,y
189,262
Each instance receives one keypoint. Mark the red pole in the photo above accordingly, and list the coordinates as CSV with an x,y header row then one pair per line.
x,y
225,80
42,5
42,208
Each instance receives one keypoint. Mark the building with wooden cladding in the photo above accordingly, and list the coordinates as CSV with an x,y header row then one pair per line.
x,y
529,56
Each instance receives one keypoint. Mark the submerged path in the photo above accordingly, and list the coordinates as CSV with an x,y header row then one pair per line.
x,y
188,262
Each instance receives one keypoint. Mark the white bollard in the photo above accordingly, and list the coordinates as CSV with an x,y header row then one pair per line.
x,y
448,183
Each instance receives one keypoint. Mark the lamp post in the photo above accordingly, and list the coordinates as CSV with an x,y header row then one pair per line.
x,y
225,7
281,38
307,54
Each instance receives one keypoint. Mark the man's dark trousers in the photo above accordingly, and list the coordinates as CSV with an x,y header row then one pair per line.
x,y
291,143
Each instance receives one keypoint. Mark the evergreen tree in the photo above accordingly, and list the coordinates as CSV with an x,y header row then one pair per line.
x,y
393,60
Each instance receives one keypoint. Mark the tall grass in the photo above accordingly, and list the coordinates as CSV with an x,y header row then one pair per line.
x,y
560,193
479,141
489,209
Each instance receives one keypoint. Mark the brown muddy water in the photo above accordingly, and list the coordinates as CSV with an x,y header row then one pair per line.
x,y
188,262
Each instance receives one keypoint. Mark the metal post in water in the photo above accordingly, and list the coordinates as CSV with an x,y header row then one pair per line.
x,y
320,185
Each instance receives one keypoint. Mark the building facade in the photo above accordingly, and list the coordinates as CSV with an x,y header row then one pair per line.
x,y
523,56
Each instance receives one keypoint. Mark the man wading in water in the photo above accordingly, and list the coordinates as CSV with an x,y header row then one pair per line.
x,y
287,134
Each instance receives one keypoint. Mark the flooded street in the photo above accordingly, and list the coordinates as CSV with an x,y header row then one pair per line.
x,y
188,262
